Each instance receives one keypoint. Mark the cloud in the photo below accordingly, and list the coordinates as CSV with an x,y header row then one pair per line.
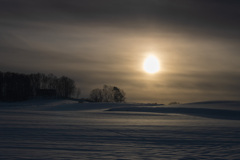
x,y
104,42
212,17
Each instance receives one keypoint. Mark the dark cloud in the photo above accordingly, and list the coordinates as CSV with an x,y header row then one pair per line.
x,y
216,17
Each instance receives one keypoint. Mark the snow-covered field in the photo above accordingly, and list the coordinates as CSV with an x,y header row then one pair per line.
x,y
64,129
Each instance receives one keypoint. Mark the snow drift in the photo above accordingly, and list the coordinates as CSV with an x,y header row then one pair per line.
x,y
211,109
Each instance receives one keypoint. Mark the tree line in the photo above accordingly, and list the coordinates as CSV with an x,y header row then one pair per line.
x,y
17,87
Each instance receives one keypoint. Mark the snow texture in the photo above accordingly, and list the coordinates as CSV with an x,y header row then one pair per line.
x,y
64,129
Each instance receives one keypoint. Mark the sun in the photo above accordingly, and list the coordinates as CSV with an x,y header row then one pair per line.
x,y
151,64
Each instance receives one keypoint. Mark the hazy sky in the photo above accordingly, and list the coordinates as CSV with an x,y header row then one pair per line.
x,y
98,42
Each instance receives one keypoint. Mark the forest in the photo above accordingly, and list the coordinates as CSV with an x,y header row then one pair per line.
x,y
19,87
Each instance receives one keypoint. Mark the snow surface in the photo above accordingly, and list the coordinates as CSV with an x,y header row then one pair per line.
x,y
65,129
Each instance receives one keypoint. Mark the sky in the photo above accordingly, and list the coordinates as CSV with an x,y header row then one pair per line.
x,y
97,42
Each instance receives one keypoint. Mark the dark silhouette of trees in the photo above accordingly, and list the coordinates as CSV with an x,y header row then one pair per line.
x,y
65,86
107,94
17,87
118,95
96,95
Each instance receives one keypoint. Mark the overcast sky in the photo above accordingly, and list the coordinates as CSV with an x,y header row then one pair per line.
x,y
97,42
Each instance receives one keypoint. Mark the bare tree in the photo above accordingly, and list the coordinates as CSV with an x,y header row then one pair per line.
x,y
119,95
66,87
96,95
107,94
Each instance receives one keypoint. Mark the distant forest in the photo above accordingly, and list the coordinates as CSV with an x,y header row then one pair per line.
x,y
18,87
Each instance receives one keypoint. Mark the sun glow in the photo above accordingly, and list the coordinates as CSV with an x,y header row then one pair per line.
x,y
151,64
